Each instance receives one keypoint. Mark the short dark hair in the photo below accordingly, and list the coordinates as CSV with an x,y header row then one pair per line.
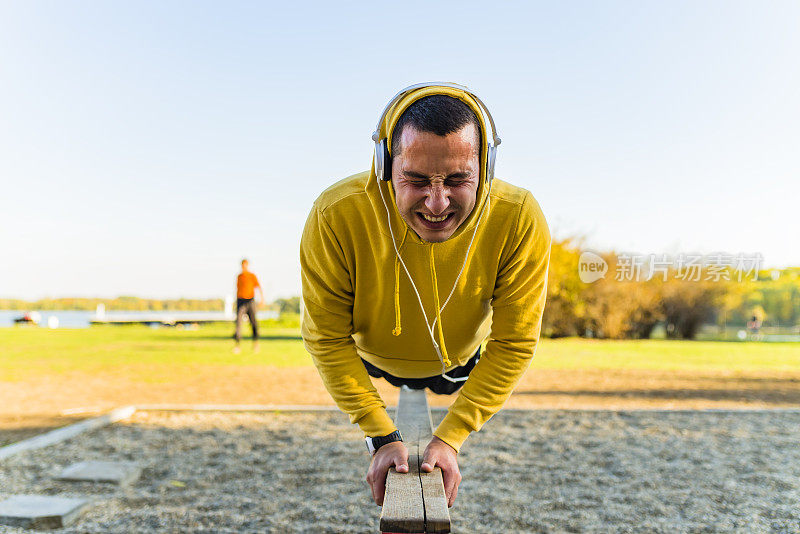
x,y
438,114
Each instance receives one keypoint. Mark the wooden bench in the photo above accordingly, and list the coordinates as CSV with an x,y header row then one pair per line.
x,y
415,502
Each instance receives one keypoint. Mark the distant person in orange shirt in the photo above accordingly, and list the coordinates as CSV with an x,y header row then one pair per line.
x,y
246,284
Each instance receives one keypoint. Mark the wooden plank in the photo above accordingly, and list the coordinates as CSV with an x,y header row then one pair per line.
x,y
437,514
403,509
415,502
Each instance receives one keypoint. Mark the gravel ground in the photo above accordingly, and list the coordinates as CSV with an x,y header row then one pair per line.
x,y
527,471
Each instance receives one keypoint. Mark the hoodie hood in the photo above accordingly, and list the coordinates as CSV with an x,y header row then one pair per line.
x,y
374,187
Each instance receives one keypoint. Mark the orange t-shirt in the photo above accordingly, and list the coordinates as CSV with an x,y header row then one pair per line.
x,y
246,283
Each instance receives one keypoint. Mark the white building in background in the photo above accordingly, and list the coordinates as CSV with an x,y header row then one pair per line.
x,y
230,307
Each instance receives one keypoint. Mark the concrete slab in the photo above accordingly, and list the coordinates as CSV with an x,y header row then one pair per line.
x,y
99,471
40,511
64,433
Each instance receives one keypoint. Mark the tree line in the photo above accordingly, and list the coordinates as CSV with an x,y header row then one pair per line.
x,y
124,303
612,306
630,308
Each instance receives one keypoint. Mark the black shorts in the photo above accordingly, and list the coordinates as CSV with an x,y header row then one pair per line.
x,y
437,384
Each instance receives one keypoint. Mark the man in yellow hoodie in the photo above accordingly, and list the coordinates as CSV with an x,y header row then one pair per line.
x,y
474,252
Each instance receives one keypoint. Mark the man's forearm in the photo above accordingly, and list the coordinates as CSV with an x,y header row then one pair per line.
x,y
353,391
515,335
327,328
485,392
517,306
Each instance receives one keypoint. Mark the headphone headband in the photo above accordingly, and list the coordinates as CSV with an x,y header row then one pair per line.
x,y
382,157
485,110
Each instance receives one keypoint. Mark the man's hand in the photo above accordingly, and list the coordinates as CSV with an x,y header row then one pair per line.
x,y
392,454
440,454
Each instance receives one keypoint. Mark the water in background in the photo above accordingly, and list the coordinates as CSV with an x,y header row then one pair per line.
x,y
80,319
66,318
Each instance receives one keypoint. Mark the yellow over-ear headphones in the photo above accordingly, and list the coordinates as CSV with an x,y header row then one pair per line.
x,y
382,146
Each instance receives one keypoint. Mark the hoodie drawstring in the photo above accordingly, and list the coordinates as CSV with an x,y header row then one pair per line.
x,y
445,358
398,328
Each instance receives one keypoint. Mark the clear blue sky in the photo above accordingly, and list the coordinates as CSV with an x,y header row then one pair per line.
x,y
145,147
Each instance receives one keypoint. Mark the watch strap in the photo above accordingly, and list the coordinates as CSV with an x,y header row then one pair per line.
x,y
373,444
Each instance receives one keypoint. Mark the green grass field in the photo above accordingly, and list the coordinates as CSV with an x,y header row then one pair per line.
x,y
668,355
28,352
35,351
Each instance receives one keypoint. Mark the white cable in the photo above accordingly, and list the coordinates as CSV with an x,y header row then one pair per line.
x,y
463,265
403,263
468,249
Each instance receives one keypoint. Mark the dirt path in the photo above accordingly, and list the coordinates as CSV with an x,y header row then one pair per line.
x,y
33,405
302,385
538,471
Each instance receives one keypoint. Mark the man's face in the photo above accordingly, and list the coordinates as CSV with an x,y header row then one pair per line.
x,y
245,264
435,180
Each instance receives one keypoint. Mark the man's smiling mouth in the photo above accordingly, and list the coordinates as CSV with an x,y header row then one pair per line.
x,y
435,219
435,223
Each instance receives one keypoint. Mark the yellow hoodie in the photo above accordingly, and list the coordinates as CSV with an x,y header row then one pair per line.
x,y
357,304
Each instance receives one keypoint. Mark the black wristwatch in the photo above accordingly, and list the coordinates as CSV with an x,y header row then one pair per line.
x,y
373,444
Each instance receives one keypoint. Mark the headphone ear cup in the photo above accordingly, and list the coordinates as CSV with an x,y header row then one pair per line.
x,y
383,162
387,162
491,154
378,160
